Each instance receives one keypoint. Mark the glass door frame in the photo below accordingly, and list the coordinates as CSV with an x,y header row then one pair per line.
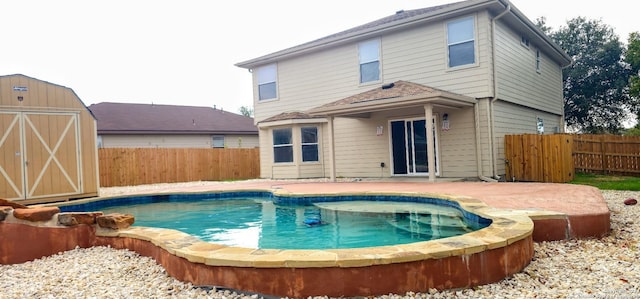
x,y
434,118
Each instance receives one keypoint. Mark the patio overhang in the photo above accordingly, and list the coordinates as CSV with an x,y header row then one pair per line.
x,y
397,95
393,96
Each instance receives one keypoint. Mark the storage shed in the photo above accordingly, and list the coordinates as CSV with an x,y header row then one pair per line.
x,y
48,146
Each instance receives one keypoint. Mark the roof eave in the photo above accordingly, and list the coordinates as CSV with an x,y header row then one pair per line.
x,y
558,53
322,43
387,104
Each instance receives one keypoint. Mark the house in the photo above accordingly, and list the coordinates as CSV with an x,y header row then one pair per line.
x,y
47,142
169,126
427,92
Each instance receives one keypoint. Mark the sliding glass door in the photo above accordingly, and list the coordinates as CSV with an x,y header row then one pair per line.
x,y
409,147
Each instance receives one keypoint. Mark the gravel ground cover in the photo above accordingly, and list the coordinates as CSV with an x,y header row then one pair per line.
x,y
593,268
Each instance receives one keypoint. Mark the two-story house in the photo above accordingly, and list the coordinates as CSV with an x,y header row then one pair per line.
x,y
426,92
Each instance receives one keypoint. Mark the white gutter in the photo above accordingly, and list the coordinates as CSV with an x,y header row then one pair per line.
x,y
478,147
490,111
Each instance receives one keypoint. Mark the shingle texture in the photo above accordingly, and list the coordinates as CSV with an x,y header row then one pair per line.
x,y
390,91
399,17
290,115
124,118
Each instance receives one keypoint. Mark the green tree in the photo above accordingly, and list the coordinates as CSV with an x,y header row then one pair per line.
x,y
541,23
632,57
246,111
596,84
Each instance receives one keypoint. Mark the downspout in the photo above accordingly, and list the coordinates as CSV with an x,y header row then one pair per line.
x,y
490,113
479,145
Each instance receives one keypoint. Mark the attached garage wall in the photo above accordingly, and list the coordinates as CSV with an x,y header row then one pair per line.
x,y
47,142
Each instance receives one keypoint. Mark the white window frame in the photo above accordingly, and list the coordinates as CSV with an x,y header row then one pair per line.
x,y
473,39
289,145
215,141
366,59
303,144
267,74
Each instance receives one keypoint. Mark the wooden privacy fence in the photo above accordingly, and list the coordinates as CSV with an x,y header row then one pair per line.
x,y
539,158
607,154
137,166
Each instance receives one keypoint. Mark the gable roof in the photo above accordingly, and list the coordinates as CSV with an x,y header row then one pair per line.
x,y
405,19
399,94
125,118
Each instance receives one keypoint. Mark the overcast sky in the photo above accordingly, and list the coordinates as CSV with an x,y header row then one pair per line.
x,y
183,52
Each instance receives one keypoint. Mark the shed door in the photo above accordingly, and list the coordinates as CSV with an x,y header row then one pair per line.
x,y
42,155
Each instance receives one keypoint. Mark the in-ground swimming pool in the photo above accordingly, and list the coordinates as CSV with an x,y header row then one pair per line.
x,y
259,223
486,255
312,223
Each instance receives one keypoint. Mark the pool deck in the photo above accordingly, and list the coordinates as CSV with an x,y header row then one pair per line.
x,y
520,214
559,211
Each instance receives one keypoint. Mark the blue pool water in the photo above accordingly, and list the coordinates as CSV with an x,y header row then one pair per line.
x,y
262,222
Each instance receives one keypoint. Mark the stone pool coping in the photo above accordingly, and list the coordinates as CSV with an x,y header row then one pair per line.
x,y
507,227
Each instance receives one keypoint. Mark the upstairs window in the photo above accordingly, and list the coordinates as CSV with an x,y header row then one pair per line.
x,y
309,144
282,146
461,42
538,61
267,87
369,53
524,41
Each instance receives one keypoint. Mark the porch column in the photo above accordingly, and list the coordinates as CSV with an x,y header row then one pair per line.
x,y
332,156
431,159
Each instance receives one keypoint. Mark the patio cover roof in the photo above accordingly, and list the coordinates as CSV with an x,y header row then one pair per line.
x,y
396,95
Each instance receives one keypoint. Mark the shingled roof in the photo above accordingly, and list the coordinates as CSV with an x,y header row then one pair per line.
x,y
390,91
399,17
125,118
414,17
290,116
392,95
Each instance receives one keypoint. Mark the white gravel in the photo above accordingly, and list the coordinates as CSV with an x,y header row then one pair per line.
x,y
597,268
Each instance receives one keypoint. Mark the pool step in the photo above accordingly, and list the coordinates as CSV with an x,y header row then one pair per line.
x,y
422,225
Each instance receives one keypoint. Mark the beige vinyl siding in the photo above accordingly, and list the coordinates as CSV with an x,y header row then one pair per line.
x,y
266,153
310,81
176,141
485,145
516,119
418,55
239,141
457,149
519,82
360,150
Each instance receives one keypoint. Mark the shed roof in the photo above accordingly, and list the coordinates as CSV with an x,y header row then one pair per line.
x,y
126,118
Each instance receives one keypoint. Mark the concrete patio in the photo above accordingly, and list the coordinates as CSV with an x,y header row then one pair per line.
x,y
559,211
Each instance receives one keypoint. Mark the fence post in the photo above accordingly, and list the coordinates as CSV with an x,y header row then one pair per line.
x,y
602,152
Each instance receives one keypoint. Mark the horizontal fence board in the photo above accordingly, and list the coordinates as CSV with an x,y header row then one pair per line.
x,y
138,166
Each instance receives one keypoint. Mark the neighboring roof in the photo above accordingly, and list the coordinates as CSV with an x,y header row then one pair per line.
x,y
404,19
124,118
399,94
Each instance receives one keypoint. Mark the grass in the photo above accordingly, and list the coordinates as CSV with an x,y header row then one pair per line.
x,y
608,182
